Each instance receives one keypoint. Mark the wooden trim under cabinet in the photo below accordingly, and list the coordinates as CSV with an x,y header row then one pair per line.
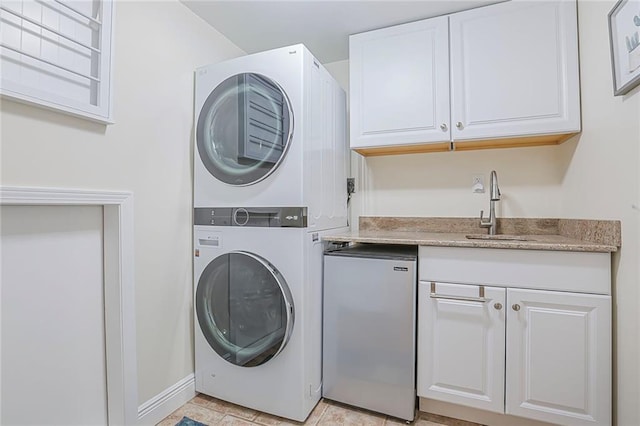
x,y
513,142
404,149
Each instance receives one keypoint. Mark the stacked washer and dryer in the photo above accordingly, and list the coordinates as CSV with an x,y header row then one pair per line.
x,y
270,169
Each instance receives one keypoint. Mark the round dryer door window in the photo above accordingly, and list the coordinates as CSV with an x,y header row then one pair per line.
x,y
244,129
244,308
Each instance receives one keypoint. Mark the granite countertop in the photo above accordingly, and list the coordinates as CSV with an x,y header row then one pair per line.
x,y
532,234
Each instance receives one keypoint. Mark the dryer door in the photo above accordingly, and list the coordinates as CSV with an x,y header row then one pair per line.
x,y
244,308
244,129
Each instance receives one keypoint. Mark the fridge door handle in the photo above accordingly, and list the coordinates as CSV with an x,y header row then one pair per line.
x,y
434,295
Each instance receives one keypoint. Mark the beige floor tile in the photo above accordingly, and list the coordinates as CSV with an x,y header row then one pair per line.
x,y
269,420
171,420
338,414
214,412
202,399
218,405
242,412
417,422
393,421
229,420
198,413
316,413
441,420
232,409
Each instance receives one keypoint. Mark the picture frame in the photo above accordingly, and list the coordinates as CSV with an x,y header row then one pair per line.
x,y
624,38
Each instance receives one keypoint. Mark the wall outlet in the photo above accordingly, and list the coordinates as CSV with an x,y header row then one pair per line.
x,y
351,185
477,184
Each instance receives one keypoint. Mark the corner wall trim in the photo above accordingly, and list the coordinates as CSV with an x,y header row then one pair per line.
x,y
119,291
166,402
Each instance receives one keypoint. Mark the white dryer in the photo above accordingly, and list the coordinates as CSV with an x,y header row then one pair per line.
x,y
258,317
271,131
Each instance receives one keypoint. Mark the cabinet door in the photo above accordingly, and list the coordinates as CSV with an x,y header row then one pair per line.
x,y
514,70
559,357
461,345
399,84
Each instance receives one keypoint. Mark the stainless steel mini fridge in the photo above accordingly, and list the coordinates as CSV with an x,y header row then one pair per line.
x,y
369,328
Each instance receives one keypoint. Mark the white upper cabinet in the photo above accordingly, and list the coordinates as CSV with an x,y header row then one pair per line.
x,y
514,70
399,85
500,75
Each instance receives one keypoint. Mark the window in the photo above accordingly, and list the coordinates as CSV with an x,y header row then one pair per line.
x,y
57,54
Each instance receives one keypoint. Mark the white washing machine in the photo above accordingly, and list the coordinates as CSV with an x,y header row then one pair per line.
x,y
271,131
258,317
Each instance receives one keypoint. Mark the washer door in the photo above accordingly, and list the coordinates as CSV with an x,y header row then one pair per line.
x,y
244,129
244,308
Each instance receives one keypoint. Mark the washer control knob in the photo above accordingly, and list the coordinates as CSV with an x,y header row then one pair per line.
x,y
240,217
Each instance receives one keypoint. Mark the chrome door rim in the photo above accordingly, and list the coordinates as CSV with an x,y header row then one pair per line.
x,y
285,150
221,340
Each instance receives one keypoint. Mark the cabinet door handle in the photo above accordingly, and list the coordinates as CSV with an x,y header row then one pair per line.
x,y
480,297
459,125
497,305
515,307
444,127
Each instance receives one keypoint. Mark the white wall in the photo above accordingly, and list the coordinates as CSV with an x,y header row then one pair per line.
x,y
594,176
602,180
148,151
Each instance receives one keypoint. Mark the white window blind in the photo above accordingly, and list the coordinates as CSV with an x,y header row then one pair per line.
x,y
57,54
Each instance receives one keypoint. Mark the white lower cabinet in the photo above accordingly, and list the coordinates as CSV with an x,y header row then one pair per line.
x,y
461,345
558,363
543,354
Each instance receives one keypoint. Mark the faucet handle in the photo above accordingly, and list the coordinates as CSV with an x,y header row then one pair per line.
x,y
484,223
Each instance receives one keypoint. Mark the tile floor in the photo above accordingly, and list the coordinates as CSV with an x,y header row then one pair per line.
x,y
213,411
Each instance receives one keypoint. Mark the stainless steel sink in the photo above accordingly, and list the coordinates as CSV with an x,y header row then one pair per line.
x,y
500,237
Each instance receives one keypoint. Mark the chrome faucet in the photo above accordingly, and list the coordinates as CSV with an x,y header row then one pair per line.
x,y
494,193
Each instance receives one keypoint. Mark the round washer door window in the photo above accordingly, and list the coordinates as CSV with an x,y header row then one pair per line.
x,y
244,129
244,308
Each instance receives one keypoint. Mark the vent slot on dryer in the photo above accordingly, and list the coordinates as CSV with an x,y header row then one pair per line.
x,y
265,117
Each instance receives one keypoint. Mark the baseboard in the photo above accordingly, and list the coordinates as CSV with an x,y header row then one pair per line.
x,y
167,401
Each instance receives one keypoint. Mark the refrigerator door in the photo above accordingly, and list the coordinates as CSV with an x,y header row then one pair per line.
x,y
369,332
